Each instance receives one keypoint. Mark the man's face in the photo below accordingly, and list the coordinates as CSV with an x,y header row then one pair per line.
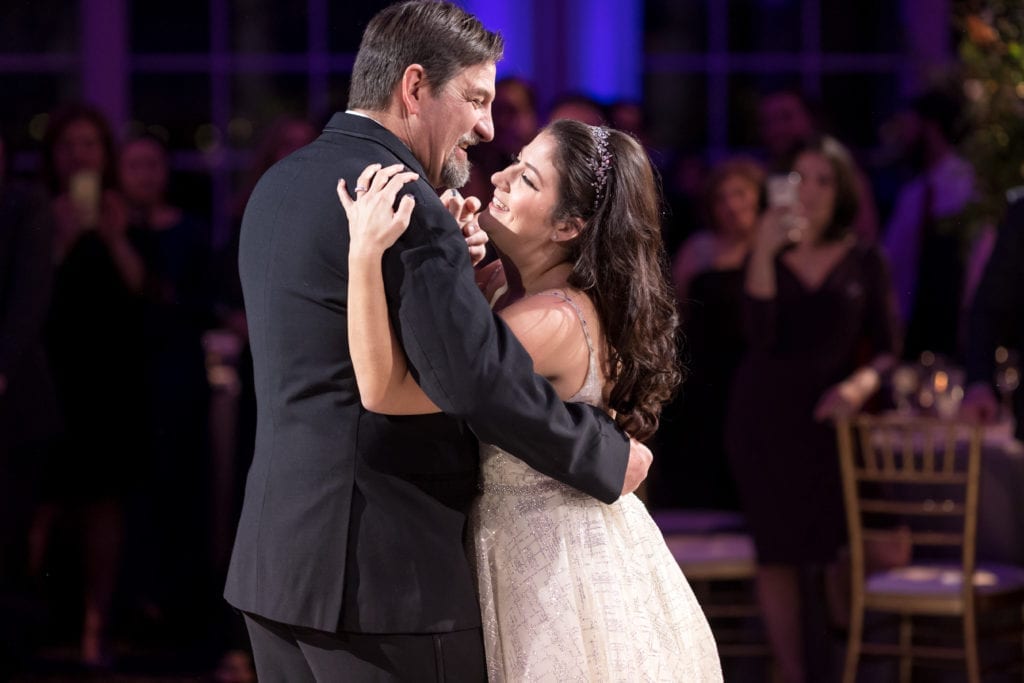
x,y
515,121
785,122
451,120
143,172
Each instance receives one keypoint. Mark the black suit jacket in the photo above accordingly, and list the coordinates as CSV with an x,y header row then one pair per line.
x,y
354,520
997,313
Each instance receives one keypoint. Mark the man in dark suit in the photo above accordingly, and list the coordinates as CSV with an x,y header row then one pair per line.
x,y
349,563
997,318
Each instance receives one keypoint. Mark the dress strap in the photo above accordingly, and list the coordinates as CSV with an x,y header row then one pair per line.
x,y
592,375
498,294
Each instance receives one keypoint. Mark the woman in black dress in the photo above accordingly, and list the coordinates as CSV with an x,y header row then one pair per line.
x,y
692,470
94,343
819,319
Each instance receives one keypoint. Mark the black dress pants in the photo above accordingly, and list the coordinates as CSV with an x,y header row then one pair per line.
x,y
292,654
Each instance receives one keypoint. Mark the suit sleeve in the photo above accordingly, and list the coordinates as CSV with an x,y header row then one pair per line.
x,y
471,365
999,302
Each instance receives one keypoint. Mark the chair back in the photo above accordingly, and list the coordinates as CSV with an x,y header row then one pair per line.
x,y
915,473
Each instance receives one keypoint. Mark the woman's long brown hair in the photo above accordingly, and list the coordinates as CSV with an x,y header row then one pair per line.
x,y
619,261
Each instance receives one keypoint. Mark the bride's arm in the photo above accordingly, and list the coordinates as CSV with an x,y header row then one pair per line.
x,y
385,384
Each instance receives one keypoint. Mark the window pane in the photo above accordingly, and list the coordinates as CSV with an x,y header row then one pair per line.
x,y
346,22
39,26
262,98
861,26
337,95
765,26
181,26
23,118
192,191
678,107
269,26
855,105
157,101
672,26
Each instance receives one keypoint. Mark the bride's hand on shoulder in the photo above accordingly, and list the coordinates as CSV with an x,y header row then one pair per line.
x,y
373,222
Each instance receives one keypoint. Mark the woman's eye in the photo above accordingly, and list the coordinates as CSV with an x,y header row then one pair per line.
x,y
529,182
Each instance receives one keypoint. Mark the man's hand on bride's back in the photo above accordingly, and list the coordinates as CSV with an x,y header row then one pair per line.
x,y
373,222
640,459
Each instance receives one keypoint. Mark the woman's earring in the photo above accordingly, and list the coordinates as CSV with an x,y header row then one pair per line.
x,y
554,236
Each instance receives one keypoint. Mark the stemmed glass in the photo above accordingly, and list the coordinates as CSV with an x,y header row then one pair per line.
x,y
905,380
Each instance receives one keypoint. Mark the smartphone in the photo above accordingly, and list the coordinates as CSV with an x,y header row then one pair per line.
x,y
783,189
84,190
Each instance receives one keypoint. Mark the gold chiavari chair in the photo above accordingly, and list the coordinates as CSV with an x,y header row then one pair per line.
x,y
922,474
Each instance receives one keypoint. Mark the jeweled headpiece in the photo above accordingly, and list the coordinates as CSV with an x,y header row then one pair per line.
x,y
600,163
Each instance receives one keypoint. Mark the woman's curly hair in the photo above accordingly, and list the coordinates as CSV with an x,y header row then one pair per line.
x,y
619,261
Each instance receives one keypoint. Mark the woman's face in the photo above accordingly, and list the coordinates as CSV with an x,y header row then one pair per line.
x,y
79,148
817,191
735,206
143,172
525,195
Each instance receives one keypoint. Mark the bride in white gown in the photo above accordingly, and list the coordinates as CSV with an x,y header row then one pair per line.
x,y
570,589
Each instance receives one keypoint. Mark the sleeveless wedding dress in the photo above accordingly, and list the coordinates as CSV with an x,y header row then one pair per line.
x,y
572,589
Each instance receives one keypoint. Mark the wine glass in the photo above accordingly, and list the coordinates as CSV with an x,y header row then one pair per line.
x,y
905,380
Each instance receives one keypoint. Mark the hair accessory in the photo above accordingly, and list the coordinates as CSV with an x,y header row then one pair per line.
x,y
601,162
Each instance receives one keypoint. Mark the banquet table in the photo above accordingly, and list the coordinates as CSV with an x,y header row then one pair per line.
x,y
1001,497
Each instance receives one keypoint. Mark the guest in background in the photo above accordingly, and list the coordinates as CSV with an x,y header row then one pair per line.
x,y
685,183
691,469
787,121
578,107
628,116
95,343
233,414
514,113
997,319
283,137
175,247
819,334
926,238
28,416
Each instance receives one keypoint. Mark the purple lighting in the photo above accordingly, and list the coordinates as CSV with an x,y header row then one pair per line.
x,y
590,46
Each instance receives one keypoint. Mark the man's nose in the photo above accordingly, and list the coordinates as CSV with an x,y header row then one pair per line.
x,y
485,126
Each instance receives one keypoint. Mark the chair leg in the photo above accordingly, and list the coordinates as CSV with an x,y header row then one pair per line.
x,y
855,635
971,646
906,643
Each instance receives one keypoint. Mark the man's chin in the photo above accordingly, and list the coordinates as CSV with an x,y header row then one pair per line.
x,y
455,173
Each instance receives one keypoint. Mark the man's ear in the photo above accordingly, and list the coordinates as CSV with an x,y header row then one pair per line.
x,y
568,229
413,85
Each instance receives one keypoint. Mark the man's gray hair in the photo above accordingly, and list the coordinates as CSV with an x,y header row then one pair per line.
x,y
439,36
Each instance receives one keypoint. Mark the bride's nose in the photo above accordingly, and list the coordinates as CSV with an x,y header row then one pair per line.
x,y
500,178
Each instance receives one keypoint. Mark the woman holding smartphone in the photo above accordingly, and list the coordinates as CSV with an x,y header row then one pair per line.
x,y
819,323
94,344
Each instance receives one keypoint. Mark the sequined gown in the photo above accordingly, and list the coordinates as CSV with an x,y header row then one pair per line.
x,y
572,589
